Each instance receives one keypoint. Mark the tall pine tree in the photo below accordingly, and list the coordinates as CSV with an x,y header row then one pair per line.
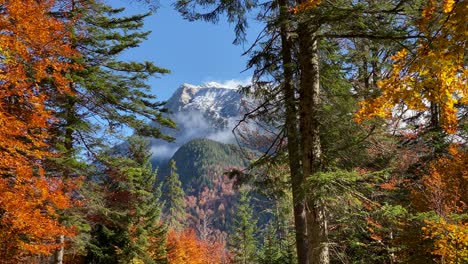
x,y
129,228
109,96
242,240
174,198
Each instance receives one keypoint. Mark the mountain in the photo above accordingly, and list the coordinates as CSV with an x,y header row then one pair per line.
x,y
217,104
205,111
201,160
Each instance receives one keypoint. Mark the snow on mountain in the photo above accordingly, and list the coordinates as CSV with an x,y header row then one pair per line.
x,y
210,99
200,111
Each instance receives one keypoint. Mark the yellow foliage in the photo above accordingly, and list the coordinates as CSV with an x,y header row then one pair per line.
x,y
450,240
434,73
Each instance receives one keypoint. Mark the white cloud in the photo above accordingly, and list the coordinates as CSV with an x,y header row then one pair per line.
x,y
163,151
231,84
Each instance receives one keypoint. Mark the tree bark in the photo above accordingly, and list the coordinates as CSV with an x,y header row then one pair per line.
x,y
292,133
58,256
309,104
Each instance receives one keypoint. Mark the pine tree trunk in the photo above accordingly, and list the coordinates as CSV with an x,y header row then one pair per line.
x,y
292,133
309,104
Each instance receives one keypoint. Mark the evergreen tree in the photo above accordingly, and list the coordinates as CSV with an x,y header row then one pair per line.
x,y
274,249
289,59
242,240
174,198
278,245
129,228
109,97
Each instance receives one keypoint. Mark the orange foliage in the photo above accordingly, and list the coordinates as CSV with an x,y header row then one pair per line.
x,y
444,189
303,6
434,73
186,248
32,55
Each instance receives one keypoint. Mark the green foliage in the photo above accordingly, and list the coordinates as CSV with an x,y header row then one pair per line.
x,y
197,158
109,98
127,226
174,198
278,243
108,89
242,241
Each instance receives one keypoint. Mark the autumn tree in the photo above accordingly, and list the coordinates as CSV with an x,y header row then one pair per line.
x,y
186,248
35,48
428,82
432,78
439,196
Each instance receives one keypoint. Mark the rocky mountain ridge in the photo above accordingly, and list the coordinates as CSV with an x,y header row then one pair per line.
x,y
200,111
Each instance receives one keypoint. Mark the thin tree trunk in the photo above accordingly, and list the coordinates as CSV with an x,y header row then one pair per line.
x,y
68,144
292,133
309,104
58,256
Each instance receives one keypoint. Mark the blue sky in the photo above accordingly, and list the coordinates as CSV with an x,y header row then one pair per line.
x,y
195,52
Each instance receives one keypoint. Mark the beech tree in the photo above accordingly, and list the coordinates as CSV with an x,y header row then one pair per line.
x,y
35,48
186,248
433,77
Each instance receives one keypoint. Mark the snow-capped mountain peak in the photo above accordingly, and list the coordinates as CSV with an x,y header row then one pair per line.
x,y
210,99
201,111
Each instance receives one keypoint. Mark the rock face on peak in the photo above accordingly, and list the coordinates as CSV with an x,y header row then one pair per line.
x,y
218,104
204,111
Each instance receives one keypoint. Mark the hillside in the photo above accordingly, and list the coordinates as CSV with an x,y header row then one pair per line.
x,y
200,160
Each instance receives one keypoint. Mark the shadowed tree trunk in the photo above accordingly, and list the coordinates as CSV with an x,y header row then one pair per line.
x,y
309,104
292,133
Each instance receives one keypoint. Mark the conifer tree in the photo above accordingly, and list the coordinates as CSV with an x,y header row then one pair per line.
x,y
129,228
109,96
278,245
174,198
242,240
289,58
107,88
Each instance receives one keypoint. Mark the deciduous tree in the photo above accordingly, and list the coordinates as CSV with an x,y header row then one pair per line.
x,y
35,48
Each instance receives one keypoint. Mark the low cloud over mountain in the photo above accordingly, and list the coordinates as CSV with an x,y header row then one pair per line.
x,y
206,111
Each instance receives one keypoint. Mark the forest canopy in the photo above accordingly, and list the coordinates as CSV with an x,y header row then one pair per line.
x,y
351,147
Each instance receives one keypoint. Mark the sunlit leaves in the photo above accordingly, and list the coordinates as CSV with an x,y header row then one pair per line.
x,y
34,46
434,73
450,240
305,5
186,248
443,189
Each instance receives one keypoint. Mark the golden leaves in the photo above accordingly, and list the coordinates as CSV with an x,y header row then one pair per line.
x,y
435,73
448,5
305,5
187,248
35,49
450,240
